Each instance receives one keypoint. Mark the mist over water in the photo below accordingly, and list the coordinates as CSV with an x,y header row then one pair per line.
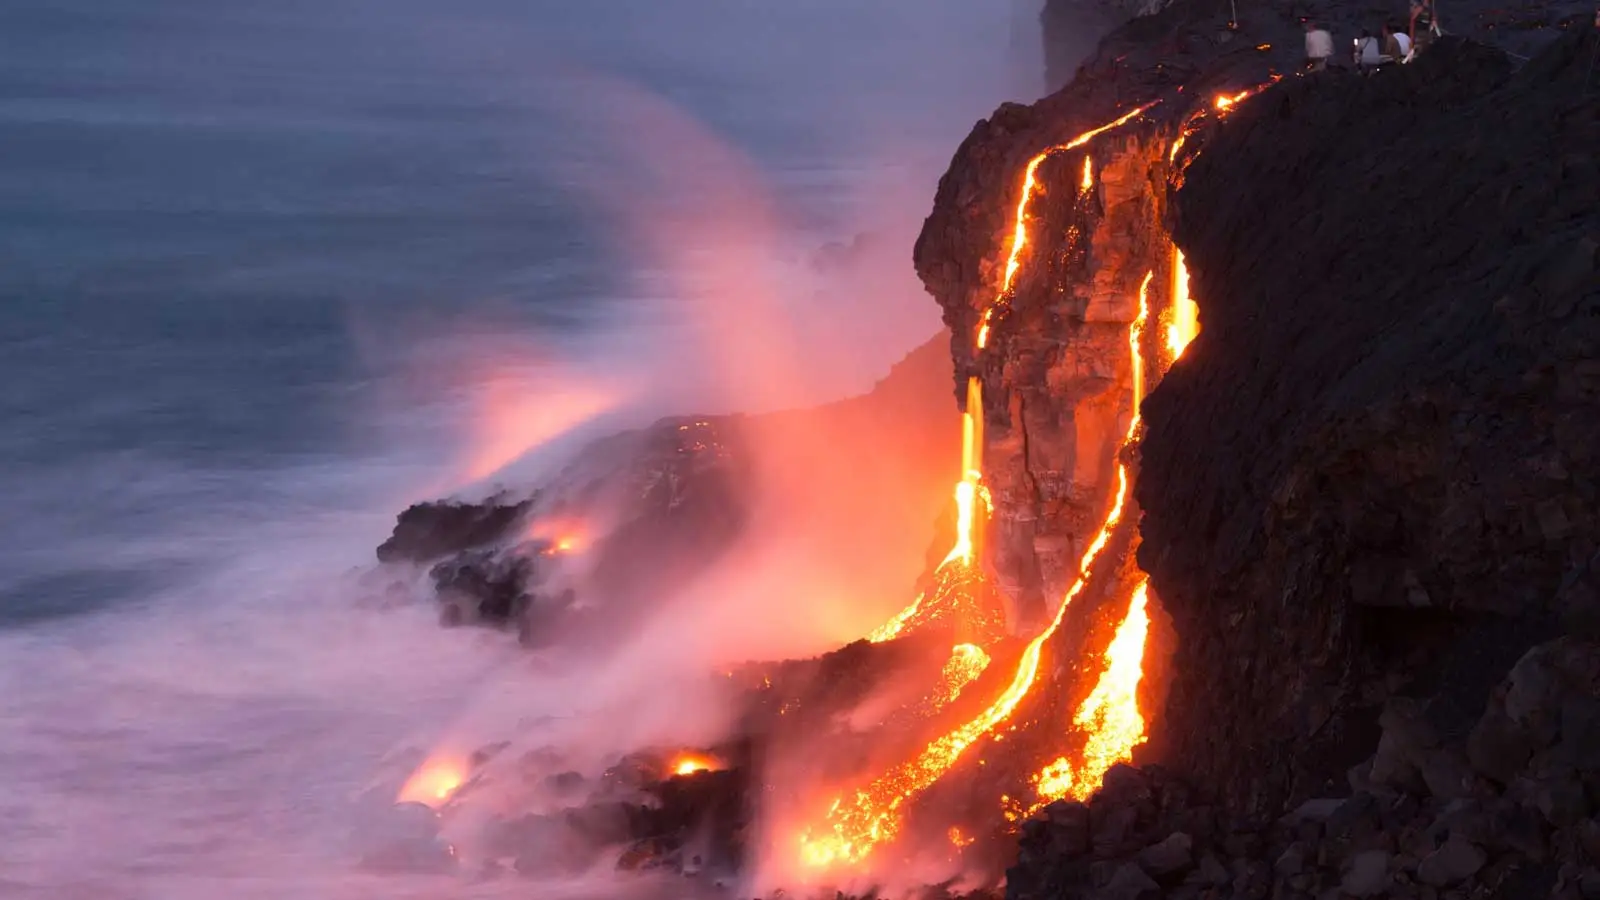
x,y
273,271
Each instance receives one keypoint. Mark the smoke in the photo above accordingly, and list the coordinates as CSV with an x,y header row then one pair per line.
x,y
230,736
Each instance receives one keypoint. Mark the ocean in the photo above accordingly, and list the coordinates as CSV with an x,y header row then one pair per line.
x,y
271,271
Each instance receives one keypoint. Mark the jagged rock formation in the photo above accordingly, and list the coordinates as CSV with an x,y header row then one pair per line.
x,y
1368,506
1366,488
1057,376
648,510
1373,470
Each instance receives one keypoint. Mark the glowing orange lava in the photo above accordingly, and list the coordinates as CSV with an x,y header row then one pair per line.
x,y
433,782
1088,172
1019,229
559,536
872,815
970,491
1134,335
1110,714
891,629
950,591
1225,103
966,663
1185,324
690,763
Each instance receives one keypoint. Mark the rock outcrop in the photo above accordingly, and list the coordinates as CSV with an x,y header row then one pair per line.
x,y
1366,490
637,515
1372,473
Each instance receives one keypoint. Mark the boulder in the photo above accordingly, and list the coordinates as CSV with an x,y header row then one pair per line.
x,y
1368,875
1129,883
1454,862
1171,856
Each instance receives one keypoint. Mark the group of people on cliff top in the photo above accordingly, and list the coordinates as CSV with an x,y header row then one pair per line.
x,y
1397,43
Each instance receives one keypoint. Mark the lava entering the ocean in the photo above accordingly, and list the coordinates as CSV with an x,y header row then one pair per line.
x,y
433,782
859,821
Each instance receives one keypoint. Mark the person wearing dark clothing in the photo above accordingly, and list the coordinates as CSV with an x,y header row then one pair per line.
x,y
1424,24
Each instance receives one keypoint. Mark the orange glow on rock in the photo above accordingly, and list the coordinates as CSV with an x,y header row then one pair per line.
x,y
1135,334
872,815
967,491
690,763
1225,103
1019,228
1185,323
433,782
966,663
1110,714
561,536
859,820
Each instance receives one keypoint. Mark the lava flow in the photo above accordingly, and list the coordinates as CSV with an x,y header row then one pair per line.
x,y
1185,324
1019,229
433,782
690,763
954,595
1110,715
873,815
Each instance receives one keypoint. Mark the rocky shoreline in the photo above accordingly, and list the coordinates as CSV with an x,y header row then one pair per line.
x,y
1365,494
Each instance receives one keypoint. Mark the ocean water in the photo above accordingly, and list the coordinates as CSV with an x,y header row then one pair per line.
x,y
270,271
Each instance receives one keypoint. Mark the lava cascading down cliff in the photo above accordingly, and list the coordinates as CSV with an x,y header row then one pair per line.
x,y
1054,249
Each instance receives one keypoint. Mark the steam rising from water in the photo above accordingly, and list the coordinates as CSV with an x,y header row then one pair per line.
x,y
242,730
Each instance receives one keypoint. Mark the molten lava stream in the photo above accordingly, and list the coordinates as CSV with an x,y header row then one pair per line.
x,y
873,814
1019,228
1109,715
1185,324
951,595
970,488
433,782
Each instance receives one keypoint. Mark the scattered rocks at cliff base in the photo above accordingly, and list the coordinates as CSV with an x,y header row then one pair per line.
x,y
1167,843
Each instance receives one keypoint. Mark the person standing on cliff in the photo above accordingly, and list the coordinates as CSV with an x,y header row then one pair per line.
x,y
1319,46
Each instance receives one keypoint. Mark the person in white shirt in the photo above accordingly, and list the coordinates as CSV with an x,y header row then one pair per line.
x,y
1396,43
1369,54
1319,47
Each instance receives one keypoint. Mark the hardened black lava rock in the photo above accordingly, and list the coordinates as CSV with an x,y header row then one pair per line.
x,y
430,531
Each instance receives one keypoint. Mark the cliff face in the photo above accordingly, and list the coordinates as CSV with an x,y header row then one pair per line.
x,y
1371,473
1335,460
1057,374
1368,490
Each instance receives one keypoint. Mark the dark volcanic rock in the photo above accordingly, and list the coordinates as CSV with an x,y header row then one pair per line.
x,y
652,509
1374,469
428,531
492,587
1368,500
